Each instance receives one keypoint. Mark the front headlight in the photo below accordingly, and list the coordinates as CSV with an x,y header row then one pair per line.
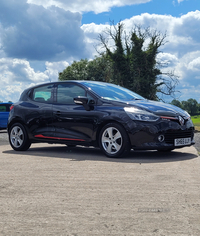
x,y
138,114
187,115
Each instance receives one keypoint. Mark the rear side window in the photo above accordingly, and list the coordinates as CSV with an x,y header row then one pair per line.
x,y
42,94
5,107
67,92
2,108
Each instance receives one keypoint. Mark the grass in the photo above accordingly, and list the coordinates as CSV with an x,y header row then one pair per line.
x,y
196,122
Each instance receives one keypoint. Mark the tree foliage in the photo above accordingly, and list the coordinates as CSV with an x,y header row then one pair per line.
x,y
177,103
134,58
97,69
191,106
127,60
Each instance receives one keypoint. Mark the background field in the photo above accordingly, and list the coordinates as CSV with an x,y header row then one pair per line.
x,y
196,122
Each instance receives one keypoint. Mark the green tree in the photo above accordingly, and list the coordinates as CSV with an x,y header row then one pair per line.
x,y
191,106
99,69
134,61
176,103
77,71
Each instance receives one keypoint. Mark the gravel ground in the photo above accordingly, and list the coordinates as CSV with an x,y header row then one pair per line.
x,y
4,139
50,190
197,141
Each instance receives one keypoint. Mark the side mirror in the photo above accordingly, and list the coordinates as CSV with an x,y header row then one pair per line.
x,y
81,100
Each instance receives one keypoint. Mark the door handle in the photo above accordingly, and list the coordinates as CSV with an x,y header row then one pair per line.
x,y
57,113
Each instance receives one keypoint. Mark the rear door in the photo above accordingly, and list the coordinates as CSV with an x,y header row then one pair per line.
x,y
39,112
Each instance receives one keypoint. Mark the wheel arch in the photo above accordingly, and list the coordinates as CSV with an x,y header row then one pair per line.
x,y
17,120
105,122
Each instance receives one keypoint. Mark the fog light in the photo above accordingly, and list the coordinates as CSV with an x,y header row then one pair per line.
x,y
161,138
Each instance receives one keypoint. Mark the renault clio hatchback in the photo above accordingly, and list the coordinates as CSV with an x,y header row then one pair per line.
x,y
96,114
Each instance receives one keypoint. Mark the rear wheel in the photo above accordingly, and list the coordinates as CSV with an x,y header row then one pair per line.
x,y
18,138
114,141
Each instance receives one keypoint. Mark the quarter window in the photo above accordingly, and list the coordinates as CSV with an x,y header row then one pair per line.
x,y
42,94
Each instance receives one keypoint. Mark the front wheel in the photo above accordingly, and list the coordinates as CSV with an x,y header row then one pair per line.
x,y
18,138
114,141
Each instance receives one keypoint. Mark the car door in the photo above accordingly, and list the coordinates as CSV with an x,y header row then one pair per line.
x,y
73,124
39,112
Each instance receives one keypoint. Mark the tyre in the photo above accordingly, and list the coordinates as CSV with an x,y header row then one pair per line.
x,y
114,141
18,138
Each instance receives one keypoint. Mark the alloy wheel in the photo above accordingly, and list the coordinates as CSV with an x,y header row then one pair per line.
x,y
111,140
17,136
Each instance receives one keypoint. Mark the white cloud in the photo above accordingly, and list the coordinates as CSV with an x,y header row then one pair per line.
x,y
54,68
168,58
36,33
16,75
183,32
195,65
187,92
189,68
17,70
97,6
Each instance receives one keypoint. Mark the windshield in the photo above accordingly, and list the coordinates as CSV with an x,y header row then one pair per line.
x,y
112,91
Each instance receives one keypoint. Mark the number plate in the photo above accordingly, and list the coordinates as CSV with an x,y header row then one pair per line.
x,y
182,141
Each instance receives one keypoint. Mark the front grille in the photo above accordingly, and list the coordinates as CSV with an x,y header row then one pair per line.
x,y
171,135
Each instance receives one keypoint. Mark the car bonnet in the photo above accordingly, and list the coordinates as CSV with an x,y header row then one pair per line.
x,y
159,108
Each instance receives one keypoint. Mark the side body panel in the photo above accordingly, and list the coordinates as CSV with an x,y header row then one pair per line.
x,y
36,116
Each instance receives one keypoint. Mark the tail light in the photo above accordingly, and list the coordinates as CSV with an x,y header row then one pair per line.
x,y
11,107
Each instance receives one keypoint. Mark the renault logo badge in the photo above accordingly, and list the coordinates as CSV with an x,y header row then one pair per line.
x,y
181,120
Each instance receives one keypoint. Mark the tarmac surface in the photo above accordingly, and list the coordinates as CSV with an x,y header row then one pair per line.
x,y
56,190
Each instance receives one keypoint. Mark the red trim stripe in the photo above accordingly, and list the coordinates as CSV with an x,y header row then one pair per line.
x,y
69,139
169,118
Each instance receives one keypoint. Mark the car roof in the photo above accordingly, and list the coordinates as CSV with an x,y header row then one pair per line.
x,y
83,82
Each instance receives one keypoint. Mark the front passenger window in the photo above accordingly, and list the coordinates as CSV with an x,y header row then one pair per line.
x,y
67,92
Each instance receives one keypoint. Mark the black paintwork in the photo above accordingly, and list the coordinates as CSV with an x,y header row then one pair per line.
x,y
74,124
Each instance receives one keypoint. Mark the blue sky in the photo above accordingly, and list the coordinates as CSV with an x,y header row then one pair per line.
x,y
163,7
40,38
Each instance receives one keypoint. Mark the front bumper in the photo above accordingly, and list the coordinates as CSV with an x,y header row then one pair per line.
x,y
145,136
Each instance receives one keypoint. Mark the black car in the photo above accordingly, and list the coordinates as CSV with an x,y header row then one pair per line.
x,y
96,114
